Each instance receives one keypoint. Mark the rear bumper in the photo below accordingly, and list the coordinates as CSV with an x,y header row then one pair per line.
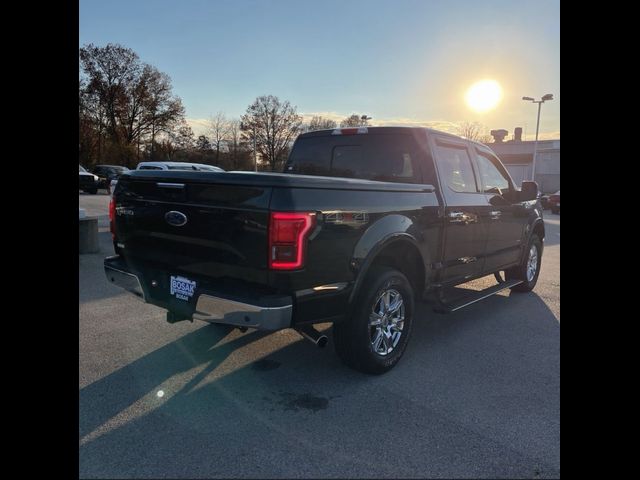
x,y
125,280
221,310
272,313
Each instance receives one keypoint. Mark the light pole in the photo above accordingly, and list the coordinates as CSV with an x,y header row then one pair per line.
x,y
546,97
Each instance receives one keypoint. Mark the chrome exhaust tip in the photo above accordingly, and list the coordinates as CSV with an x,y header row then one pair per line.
x,y
318,339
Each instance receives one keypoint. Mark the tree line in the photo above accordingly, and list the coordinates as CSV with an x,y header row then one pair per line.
x,y
129,113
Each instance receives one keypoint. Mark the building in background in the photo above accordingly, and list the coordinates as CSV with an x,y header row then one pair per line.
x,y
517,156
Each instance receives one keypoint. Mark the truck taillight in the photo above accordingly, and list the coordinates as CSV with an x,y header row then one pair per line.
x,y
288,233
112,218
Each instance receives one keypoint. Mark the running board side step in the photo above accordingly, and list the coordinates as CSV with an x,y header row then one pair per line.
x,y
443,307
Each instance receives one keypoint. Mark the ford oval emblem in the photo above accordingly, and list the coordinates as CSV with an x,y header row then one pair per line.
x,y
177,219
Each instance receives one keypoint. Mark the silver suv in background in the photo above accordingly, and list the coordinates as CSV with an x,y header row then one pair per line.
x,y
172,166
177,166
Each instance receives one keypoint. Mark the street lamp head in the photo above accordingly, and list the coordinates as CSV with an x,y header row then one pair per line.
x,y
548,96
528,98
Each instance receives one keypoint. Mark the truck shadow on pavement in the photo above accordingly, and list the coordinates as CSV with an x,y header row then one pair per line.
x,y
476,394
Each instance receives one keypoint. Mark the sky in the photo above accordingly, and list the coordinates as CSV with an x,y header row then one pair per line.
x,y
402,62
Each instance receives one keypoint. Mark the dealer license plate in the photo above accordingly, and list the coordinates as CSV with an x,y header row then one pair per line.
x,y
181,287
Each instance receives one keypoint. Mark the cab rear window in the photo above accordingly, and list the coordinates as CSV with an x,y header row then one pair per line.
x,y
388,158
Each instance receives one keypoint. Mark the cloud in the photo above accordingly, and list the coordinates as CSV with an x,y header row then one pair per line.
x,y
198,125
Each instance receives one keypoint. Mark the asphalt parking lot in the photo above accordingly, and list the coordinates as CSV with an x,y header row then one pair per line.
x,y
476,395
97,204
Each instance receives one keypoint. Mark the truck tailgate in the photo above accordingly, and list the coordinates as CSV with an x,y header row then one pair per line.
x,y
224,235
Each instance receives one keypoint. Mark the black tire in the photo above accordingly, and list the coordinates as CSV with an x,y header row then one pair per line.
x,y
520,272
93,191
352,337
555,210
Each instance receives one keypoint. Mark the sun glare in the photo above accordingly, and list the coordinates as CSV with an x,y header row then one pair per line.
x,y
483,95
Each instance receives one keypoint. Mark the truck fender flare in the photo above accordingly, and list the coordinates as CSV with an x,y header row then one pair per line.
x,y
529,231
386,231
531,227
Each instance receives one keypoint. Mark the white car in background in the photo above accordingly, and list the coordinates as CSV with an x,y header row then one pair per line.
x,y
177,166
87,181
201,167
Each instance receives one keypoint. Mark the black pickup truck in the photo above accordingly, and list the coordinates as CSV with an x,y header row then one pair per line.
x,y
362,223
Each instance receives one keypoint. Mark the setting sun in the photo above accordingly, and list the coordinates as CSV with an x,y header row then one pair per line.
x,y
483,95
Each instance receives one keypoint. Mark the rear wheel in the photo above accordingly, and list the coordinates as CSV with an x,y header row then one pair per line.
x,y
92,191
375,337
555,210
529,269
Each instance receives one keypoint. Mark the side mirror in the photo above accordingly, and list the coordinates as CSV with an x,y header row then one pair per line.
x,y
528,191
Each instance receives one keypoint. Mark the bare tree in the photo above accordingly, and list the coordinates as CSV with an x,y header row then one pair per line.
x,y
472,131
180,139
124,101
91,127
218,128
485,138
275,123
162,111
234,137
355,121
108,73
321,123
152,108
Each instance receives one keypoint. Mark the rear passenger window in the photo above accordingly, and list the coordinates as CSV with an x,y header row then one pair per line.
x,y
455,168
392,159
